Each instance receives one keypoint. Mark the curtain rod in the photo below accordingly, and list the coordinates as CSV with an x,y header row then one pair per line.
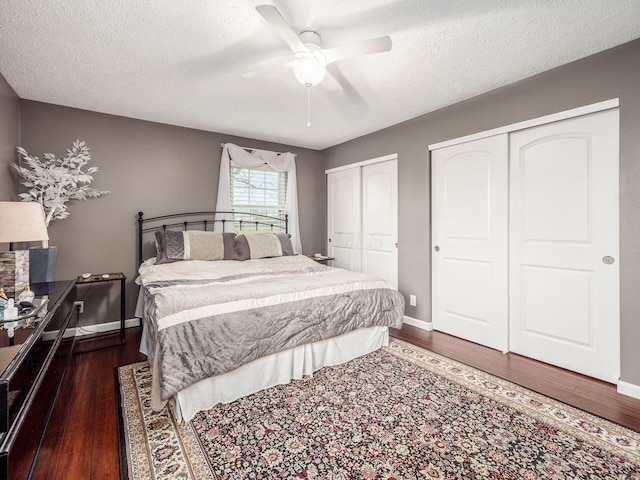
x,y
252,149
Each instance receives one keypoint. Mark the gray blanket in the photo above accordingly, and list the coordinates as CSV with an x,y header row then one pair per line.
x,y
203,326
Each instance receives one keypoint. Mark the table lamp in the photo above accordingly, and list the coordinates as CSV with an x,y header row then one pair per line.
x,y
19,222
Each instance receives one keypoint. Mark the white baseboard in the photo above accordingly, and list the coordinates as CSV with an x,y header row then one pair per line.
x,y
91,329
629,389
414,322
624,388
105,327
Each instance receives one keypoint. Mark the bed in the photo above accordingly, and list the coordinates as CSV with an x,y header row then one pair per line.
x,y
228,314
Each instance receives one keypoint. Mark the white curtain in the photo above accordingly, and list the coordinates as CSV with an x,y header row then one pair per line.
x,y
233,155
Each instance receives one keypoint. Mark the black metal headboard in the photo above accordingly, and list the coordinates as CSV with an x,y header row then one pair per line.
x,y
204,219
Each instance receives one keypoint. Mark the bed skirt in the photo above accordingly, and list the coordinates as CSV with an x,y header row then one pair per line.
x,y
276,369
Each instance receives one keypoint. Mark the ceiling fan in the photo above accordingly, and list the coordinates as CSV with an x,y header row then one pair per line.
x,y
309,60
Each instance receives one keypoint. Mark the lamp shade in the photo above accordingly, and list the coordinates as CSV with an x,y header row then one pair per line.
x,y
22,222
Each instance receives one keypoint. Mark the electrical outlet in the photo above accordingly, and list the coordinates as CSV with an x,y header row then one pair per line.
x,y
79,303
412,300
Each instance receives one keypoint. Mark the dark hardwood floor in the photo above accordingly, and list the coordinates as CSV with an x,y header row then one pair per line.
x,y
594,396
84,421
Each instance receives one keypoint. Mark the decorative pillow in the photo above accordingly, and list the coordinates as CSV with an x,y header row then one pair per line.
x,y
203,245
241,248
229,239
162,237
261,244
285,242
189,245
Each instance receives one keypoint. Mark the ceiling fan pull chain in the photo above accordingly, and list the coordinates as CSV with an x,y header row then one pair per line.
x,y
308,106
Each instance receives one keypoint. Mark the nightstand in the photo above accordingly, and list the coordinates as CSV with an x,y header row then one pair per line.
x,y
322,259
104,278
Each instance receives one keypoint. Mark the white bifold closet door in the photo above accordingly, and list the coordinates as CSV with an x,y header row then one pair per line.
x,y
344,212
525,238
362,219
470,269
380,220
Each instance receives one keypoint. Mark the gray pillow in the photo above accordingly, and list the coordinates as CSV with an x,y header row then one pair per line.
x,y
168,240
229,239
285,241
174,246
241,248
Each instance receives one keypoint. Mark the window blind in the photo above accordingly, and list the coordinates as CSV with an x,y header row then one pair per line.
x,y
258,191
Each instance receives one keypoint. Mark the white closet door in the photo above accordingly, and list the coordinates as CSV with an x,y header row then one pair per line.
x,y
470,239
564,234
344,218
380,220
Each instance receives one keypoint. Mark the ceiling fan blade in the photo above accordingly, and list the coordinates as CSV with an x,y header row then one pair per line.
x,y
331,84
367,47
335,82
281,27
268,66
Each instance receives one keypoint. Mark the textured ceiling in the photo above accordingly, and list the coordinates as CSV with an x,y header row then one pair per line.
x,y
180,61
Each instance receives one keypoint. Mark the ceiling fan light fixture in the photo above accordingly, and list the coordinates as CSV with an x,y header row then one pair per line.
x,y
309,67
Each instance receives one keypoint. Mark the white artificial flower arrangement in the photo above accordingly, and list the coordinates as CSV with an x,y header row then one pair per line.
x,y
54,181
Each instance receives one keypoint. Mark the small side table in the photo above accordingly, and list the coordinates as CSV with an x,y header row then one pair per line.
x,y
323,260
105,278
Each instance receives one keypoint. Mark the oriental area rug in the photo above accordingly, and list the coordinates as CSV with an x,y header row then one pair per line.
x,y
401,412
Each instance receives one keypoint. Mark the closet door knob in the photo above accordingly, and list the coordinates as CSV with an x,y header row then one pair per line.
x,y
436,248
329,240
607,260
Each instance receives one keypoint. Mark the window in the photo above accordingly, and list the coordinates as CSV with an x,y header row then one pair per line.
x,y
258,191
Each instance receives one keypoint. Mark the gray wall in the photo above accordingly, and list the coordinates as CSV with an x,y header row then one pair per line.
x,y
610,74
148,167
9,138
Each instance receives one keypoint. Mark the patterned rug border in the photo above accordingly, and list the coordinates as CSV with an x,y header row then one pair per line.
x,y
559,414
122,434
141,464
136,454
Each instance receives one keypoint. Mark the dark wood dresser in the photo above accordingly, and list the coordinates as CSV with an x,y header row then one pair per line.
x,y
34,355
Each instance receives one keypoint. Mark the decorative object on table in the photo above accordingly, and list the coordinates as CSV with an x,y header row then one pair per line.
x,y
25,307
21,222
42,264
3,298
15,271
10,310
26,295
9,319
52,182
